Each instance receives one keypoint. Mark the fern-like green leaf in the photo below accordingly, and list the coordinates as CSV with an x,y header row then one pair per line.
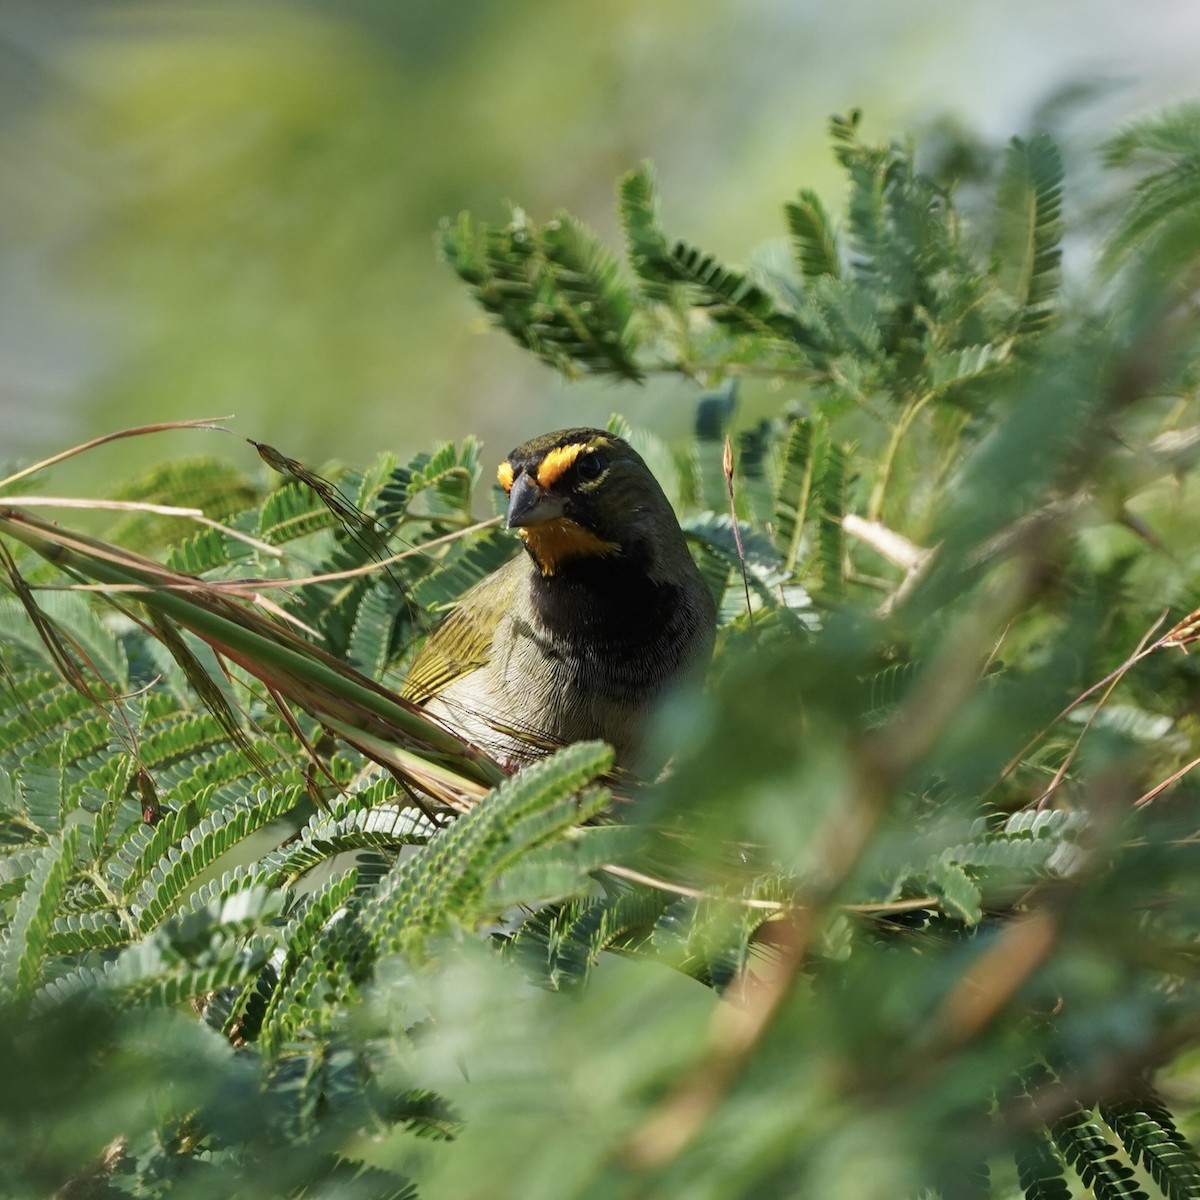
x,y
1039,1167
645,243
795,477
447,879
1150,1137
543,827
559,945
293,511
174,987
1174,132
205,682
596,328
1082,1144
728,296
371,633
206,551
77,933
446,478
465,567
869,171
959,893
200,848
561,868
385,827
132,864
556,290
15,869
1165,200
831,509
25,946
813,242
1030,229
278,1022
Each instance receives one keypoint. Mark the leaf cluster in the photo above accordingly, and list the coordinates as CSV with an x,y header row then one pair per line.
x,y
912,913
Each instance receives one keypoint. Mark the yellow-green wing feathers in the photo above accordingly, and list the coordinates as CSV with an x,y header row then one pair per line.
x,y
462,642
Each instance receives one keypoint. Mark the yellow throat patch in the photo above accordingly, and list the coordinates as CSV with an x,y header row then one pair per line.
x,y
560,540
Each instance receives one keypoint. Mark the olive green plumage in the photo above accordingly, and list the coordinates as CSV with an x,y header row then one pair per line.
x,y
581,635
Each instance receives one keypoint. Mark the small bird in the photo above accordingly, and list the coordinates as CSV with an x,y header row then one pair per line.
x,y
580,636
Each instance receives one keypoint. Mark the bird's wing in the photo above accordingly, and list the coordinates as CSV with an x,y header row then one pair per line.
x,y
462,643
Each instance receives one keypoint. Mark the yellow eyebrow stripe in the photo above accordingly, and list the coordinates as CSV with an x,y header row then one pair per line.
x,y
552,468
504,476
558,461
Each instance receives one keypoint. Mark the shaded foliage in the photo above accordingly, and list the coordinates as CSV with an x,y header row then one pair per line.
x,y
912,913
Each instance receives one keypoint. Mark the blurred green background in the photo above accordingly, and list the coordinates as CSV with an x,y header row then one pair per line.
x,y
222,208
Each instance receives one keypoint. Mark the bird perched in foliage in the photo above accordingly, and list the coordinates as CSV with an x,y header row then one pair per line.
x,y
582,634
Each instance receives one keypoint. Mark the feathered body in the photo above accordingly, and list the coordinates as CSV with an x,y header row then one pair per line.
x,y
582,635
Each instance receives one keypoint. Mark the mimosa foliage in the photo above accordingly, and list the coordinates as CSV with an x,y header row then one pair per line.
x,y
912,913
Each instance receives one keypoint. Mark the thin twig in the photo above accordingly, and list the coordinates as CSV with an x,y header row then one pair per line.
x,y
135,431
249,587
889,544
1065,765
1171,638
882,909
162,510
897,549
1166,783
679,889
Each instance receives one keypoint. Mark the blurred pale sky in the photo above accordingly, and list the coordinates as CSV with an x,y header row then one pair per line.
x,y
230,207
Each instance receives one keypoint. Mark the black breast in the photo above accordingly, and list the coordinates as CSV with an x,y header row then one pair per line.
x,y
631,634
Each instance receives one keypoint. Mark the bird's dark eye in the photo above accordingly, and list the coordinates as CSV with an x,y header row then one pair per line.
x,y
589,466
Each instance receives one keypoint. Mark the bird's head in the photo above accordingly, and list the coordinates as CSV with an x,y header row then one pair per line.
x,y
583,494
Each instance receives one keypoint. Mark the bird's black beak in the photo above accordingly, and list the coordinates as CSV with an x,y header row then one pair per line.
x,y
530,504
